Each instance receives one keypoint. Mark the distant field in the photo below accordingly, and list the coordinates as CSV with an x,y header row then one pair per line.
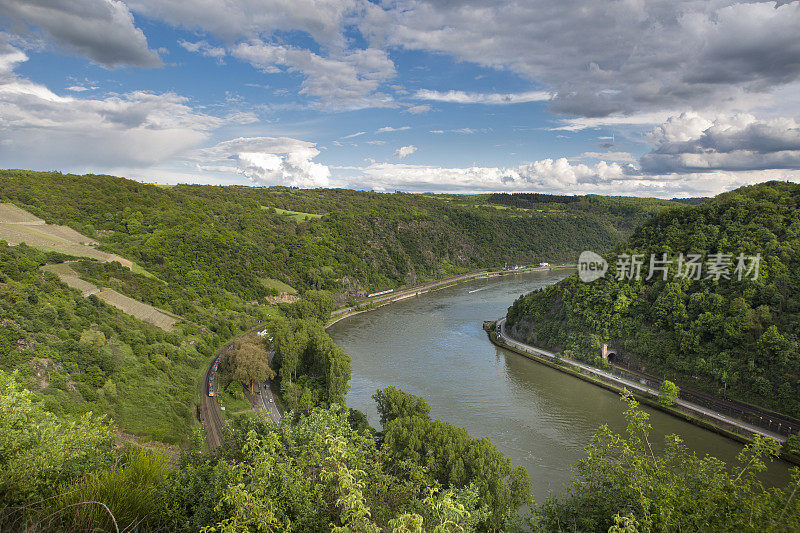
x,y
70,277
297,215
278,285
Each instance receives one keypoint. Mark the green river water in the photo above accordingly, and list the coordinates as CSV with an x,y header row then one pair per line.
x,y
433,345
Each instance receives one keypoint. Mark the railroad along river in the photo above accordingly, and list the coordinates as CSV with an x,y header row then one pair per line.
x,y
433,345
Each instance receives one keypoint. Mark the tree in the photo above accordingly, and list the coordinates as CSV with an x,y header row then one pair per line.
x,y
456,461
668,393
397,403
313,304
623,483
248,361
38,451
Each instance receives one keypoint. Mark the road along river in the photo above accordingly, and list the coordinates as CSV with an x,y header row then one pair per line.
x,y
434,346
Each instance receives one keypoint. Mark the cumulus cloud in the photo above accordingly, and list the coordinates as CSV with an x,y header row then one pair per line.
x,y
267,161
234,20
692,143
102,30
389,129
349,80
39,128
405,151
556,176
549,175
461,97
600,58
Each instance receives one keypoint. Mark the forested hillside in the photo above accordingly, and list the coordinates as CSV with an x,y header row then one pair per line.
x,y
75,371
726,336
234,238
212,255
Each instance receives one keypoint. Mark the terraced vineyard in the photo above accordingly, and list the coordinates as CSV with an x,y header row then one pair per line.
x,y
70,277
142,311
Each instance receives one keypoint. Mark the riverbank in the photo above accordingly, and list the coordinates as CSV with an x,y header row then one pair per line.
x,y
694,414
409,292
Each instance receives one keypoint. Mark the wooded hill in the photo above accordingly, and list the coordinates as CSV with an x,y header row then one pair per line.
x,y
236,237
212,254
723,336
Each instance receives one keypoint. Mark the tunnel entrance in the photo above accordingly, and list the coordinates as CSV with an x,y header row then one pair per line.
x,y
609,354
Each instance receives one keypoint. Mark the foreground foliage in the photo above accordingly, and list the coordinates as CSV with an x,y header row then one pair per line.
x,y
622,485
316,472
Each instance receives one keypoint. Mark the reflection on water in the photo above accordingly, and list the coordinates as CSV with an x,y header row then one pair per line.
x,y
433,346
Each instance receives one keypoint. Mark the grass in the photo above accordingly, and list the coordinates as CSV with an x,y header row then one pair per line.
x,y
137,269
232,399
278,285
298,216
149,395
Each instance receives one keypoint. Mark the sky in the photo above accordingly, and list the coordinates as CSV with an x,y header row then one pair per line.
x,y
631,97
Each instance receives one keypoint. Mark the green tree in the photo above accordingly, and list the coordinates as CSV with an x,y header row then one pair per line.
x,y
39,452
394,403
248,361
623,483
668,393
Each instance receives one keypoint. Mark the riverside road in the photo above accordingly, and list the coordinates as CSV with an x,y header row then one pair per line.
x,y
689,407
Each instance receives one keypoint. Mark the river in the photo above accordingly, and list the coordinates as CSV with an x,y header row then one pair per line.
x,y
434,346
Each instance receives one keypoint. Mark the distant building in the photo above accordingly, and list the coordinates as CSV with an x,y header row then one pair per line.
x,y
544,264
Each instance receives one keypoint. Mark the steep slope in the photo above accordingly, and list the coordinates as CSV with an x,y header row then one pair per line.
x,y
346,241
726,336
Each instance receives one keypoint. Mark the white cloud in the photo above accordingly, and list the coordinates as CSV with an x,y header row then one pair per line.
x,y
202,47
548,175
377,143
389,129
80,88
102,30
418,109
556,176
692,143
405,151
461,97
645,118
352,135
349,80
267,161
41,129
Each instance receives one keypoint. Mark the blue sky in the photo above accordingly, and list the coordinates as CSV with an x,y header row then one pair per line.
x,y
631,97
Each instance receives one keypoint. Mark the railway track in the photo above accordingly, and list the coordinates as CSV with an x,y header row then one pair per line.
x,y
210,414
